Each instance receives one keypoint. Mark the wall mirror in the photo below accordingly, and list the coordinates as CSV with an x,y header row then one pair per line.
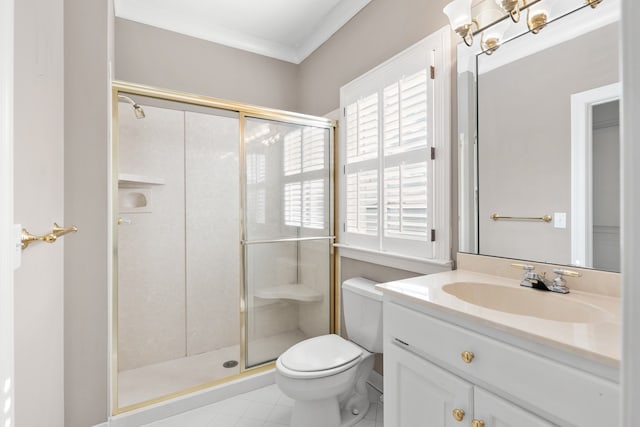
x,y
538,138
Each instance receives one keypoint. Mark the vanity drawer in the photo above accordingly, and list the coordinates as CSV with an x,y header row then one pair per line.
x,y
551,389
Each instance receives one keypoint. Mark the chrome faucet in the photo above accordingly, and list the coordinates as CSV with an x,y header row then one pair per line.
x,y
540,281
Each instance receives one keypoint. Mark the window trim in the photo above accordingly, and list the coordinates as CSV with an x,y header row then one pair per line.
x,y
438,46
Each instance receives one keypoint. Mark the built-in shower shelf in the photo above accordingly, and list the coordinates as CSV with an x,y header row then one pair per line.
x,y
128,179
294,292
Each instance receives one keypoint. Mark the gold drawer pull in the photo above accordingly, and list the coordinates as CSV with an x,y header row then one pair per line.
x,y
477,423
467,356
458,414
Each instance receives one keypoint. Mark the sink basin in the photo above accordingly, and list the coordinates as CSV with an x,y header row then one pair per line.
x,y
525,302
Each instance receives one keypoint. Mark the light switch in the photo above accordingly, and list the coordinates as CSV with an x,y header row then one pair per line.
x,y
17,241
560,219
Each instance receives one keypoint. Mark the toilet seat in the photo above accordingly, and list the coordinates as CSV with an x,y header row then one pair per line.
x,y
319,357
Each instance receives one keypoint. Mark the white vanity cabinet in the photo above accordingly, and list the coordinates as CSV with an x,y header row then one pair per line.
x,y
421,393
497,412
426,395
433,367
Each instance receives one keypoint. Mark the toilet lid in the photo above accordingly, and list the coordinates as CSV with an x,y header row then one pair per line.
x,y
320,353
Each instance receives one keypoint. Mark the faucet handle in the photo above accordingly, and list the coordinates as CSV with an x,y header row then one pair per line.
x,y
526,267
561,272
559,284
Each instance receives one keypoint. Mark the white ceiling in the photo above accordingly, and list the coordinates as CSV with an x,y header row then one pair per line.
x,y
289,30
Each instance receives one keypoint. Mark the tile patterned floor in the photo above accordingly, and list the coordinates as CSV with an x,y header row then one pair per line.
x,y
264,407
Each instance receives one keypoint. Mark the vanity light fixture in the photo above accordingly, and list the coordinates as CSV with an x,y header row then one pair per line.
x,y
536,18
491,37
512,7
491,32
459,13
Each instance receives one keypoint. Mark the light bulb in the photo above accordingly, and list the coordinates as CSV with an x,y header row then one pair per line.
x,y
459,13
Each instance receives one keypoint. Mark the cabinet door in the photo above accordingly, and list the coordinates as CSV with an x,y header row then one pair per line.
x,y
419,394
497,412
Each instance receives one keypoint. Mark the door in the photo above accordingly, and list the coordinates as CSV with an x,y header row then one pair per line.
x,y
496,412
32,177
6,213
287,236
418,393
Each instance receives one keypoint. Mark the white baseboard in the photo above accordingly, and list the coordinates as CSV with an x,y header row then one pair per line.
x,y
102,425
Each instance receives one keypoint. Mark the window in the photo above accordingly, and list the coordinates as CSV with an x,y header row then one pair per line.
x,y
305,187
394,190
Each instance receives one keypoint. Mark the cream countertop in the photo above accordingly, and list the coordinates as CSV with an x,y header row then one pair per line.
x,y
597,340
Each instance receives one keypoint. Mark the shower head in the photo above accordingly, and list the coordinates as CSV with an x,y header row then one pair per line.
x,y
137,109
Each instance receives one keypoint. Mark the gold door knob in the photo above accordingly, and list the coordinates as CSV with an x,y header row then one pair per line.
x,y
458,414
467,356
477,423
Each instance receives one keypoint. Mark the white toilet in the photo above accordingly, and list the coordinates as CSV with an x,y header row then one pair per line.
x,y
326,375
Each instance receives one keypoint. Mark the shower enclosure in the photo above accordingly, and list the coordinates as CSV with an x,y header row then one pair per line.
x,y
223,232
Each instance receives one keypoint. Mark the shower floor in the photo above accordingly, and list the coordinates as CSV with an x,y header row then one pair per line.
x,y
161,379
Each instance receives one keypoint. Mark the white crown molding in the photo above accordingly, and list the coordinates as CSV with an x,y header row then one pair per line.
x,y
336,19
199,26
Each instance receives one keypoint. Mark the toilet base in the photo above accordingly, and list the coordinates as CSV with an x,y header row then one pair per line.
x,y
327,413
348,417
336,411
316,413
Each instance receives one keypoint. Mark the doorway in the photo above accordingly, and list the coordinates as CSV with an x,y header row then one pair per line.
x,y
595,178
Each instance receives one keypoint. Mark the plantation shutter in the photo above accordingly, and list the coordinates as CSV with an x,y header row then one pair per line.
x,y
394,192
362,166
406,170
388,177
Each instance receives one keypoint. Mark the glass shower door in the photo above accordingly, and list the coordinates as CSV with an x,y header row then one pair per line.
x,y
287,236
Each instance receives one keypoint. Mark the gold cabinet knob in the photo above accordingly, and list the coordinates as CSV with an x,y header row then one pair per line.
x,y
467,356
477,423
458,414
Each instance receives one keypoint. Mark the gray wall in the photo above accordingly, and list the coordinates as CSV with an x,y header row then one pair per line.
x,y
606,203
524,141
39,201
378,32
86,158
164,59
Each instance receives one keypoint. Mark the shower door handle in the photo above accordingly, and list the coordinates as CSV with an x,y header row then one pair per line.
x,y
285,240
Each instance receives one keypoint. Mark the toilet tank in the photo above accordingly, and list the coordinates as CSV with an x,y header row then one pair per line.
x,y
362,305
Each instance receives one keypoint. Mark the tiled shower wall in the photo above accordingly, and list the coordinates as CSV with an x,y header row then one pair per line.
x,y
171,304
151,264
213,232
